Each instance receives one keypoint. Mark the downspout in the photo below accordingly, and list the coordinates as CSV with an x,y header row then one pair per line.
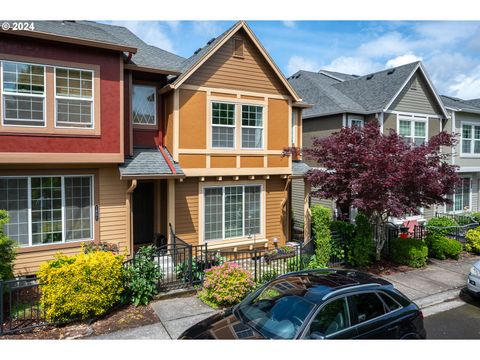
x,y
130,190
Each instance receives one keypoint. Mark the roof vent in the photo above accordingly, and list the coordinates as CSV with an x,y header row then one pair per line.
x,y
390,72
210,41
369,76
197,51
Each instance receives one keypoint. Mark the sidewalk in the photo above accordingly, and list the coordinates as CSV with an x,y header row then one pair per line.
x,y
439,282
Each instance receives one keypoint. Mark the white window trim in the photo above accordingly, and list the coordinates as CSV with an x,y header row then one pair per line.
x,y
259,236
294,127
470,197
351,119
412,118
91,99
3,92
252,127
471,154
234,126
92,207
154,100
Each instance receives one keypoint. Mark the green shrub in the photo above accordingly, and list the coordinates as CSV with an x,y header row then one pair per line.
x,y
267,275
476,216
440,225
199,264
473,240
226,285
442,247
344,231
80,286
142,276
321,217
409,252
7,250
360,249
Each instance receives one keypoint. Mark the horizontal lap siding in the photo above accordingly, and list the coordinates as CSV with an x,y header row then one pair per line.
x,y
186,210
298,188
275,187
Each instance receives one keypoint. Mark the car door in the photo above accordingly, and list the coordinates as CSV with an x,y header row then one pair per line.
x,y
370,316
331,321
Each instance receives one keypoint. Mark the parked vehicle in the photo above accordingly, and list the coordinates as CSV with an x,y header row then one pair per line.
x,y
320,304
473,281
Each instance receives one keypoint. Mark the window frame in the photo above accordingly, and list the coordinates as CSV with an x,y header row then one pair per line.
x,y
470,154
145,126
294,128
61,97
470,194
43,97
29,210
413,118
244,234
252,127
234,126
350,120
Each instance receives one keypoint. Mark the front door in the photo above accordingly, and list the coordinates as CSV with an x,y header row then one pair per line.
x,y
143,216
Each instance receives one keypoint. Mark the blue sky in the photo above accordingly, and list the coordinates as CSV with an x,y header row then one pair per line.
x,y
450,50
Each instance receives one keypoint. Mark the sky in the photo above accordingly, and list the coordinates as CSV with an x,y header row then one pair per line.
x,y
449,50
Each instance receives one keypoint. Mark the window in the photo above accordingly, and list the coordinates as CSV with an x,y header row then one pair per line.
x,y
470,141
367,306
331,318
252,127
232,211
223,125
460,197
355,122
48,209
294,136
73,98
389,302
144,105
413,128
23,94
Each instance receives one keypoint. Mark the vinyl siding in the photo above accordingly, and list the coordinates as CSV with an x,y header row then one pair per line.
x,y
459,159
298,189
274,227
186,210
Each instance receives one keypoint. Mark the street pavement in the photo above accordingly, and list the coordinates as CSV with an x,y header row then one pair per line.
x,y
462,322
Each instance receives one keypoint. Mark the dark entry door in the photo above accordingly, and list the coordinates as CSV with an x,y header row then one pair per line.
x,y
143,213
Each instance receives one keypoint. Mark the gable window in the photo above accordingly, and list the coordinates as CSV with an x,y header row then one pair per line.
x,y
223,125
232,211
252,127
73,98
144,105
355,122
413,128
23,89
48,209
470,142
460,197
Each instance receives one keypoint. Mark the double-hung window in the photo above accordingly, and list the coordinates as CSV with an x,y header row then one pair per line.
x,y
48,209
252,127
223,125
23,92
355,122
144,105
461,197
232,211
413,128
470,139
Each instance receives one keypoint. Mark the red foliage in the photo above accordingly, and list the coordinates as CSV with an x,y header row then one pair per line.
x,y
381,174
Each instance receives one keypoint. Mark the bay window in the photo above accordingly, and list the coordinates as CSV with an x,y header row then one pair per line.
x,y
23,92
252,127
48,209
461,197
413,128
73,98
232,211
223,125
470,142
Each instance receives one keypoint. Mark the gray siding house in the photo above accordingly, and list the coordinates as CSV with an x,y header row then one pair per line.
x,y
401,98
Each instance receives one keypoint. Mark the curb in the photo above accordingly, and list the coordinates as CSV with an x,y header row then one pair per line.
x,y
437,298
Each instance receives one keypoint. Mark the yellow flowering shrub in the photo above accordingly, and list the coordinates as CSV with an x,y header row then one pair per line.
x,y
80,286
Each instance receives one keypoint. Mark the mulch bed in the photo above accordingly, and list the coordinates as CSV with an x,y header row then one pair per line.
x,y
123,318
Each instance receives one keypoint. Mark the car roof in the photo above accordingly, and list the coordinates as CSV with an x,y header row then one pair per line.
x,y
318,286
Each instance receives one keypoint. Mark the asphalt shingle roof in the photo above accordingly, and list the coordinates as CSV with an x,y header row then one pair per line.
x,y
464,105
339,75
299,168
362,94
148,161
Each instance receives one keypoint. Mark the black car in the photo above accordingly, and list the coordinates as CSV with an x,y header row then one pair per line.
x,y
321,304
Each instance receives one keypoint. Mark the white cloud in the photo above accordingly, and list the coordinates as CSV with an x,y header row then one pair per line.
x,y
392,43
402,60
466,86
296,63
353,65
435,33
151,32
207,28
289,24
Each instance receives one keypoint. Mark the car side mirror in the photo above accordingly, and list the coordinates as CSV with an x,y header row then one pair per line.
x,y
317,335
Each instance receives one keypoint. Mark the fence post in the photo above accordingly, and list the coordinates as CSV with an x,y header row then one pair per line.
x,y
1,307
255,262
190,256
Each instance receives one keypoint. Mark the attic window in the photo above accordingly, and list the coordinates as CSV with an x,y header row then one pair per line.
x,y
238,47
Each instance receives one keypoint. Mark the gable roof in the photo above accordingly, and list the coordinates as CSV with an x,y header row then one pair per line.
x,y
195,61
458,104
474,102
334,93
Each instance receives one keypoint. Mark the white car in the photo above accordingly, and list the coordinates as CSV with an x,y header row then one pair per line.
x,y
473,282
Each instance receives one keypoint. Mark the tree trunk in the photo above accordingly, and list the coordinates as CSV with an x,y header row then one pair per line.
x,y
379,234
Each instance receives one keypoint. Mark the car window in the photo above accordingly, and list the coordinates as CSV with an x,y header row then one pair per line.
x,y
332,318
367,305
391,304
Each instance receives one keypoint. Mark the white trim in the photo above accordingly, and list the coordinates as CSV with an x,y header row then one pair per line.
x,y
234,126
344,120
470,198
470,154
293,127
381,120
351,118
413,119
252,127
413,114
155,104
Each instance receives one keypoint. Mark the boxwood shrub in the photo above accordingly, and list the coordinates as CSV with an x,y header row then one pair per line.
x,y
473,240
409,252
442,247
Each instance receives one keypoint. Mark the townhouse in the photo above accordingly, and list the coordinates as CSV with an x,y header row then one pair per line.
x,y
401,98
106,138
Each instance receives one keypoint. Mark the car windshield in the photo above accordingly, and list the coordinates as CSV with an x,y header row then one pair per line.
x,y
276,311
